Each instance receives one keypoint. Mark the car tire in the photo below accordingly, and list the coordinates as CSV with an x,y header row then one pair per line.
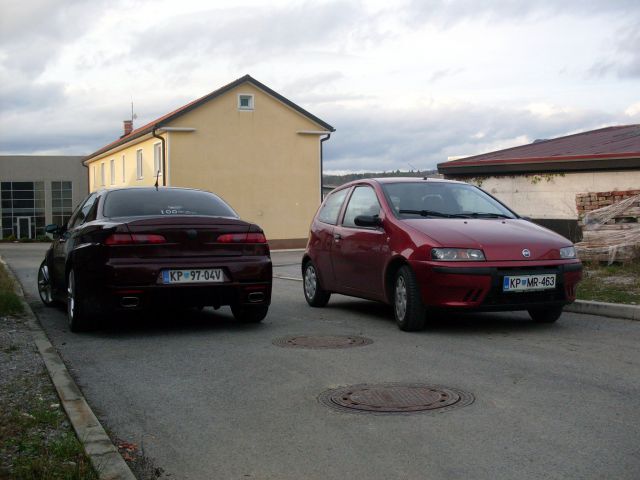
x,y
249,313
79,313
314,294
45,288
408,309
545,315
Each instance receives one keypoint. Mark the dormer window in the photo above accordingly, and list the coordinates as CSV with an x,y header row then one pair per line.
x,y
245,102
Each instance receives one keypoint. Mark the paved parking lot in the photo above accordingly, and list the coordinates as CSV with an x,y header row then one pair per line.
x,y
209,398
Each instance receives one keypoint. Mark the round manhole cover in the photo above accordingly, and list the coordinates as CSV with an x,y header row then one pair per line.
x,y
393,398
322,341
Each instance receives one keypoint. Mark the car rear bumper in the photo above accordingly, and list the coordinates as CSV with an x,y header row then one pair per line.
x,y
479,288
132,284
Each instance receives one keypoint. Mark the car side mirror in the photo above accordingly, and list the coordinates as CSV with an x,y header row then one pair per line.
x,y
367,221
52,229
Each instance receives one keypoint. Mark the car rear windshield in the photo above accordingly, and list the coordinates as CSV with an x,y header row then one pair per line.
x,y
442,200
151,202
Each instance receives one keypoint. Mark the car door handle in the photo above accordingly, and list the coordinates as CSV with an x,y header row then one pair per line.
x,y
337,236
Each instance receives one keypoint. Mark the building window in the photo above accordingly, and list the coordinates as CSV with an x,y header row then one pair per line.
x,y
102,174
157,158
61,202
22,209
124,177
113,172
139,164
245,102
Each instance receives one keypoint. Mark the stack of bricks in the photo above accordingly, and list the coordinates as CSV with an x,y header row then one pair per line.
x,y
585,202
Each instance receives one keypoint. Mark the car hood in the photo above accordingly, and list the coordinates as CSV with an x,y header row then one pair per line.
x,y
499,239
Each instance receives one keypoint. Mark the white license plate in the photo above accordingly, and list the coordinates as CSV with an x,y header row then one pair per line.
x,y
196,275
525,283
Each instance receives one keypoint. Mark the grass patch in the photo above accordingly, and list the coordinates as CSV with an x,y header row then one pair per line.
x,y
610,283
10,303
36,440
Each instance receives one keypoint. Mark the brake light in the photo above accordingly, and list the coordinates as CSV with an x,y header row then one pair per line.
x,y
242,238
136,238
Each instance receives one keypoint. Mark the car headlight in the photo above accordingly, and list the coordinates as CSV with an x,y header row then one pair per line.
x,y
457,254
568,252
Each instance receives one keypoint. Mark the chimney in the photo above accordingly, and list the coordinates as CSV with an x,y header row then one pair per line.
x,y
128,127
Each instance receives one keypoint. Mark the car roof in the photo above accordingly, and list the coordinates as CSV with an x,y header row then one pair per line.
x,y
386,180
107,190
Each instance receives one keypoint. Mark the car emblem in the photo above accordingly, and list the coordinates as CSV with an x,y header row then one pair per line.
x,y
526,253
192,234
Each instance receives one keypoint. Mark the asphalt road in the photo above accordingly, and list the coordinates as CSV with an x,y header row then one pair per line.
x,y
212,399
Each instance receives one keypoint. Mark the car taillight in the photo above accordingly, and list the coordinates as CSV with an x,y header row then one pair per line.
x,y
242,238
134,239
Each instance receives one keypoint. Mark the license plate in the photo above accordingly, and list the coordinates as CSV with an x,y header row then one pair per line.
x,y
196,275
524,283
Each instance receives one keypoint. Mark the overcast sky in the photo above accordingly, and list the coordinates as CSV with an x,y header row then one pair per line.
x,y
405,83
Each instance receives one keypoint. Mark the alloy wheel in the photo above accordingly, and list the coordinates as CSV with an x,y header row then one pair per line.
x,y
71,291
44,285
401,297
310,281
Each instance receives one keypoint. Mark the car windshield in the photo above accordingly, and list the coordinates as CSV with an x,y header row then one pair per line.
x,y
165,202
442,200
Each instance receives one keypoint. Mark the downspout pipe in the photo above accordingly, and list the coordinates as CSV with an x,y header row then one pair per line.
x,y
164,166
322,140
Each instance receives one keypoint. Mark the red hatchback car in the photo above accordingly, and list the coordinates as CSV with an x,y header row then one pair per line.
x,y
426,244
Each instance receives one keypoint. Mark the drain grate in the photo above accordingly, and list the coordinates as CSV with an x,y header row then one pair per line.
x,y
395,398
322,341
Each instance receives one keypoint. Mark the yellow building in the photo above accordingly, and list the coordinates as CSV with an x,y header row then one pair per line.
x,y
248,144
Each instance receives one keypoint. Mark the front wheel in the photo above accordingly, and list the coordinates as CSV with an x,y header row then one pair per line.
x,y
408,309
545,315
249,313
45,289
314,294
78,311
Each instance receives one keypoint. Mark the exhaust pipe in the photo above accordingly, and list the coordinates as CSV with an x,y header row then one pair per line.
x,y
255,297
130,302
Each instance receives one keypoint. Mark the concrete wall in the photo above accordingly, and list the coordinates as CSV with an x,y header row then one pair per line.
x,y
553,196
47,169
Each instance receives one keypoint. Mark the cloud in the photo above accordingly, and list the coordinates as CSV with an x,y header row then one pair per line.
x,y
33,33
384,139
249,38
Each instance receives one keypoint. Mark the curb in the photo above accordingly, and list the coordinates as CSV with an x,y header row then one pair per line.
x,y
615,310
104,456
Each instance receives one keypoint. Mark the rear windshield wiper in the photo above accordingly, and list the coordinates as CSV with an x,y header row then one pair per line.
x,y
487,215
432,213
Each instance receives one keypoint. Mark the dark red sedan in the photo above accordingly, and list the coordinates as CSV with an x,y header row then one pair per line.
x,y
132,248
425,244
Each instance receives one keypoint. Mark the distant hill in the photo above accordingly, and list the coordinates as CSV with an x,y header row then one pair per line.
x,y
337,180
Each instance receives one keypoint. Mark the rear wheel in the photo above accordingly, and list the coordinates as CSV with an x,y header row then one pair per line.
x,y
315,295
545,315
249,313
408,308
78,311
45,289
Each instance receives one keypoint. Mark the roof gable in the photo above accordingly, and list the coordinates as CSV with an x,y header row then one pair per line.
x,y
165,119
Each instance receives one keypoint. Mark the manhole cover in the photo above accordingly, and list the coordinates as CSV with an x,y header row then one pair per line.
x,y
393,398
322,341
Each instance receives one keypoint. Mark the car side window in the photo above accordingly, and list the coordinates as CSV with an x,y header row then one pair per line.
x,y
331,208
81,215
363,201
